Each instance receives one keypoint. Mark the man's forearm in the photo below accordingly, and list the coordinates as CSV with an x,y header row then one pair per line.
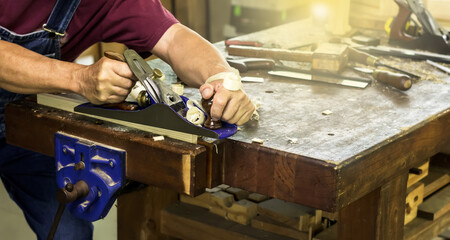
x,y
26,72
193,58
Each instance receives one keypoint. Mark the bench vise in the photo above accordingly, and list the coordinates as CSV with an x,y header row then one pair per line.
x,y
89,176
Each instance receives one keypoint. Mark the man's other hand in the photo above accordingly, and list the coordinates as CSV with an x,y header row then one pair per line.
x,y
233,107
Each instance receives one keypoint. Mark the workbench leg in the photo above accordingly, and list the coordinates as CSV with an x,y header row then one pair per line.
x,y
138,213
378,215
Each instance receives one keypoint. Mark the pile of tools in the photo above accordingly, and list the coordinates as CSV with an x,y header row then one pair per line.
x,y
328,60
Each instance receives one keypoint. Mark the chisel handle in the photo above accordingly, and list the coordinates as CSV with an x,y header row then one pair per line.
x,y
114,56
243,65
400,81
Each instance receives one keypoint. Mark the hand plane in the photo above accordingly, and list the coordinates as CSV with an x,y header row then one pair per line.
x,y
432,36
159,105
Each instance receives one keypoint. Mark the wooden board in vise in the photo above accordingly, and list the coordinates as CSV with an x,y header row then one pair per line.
x,y
171,164
68,102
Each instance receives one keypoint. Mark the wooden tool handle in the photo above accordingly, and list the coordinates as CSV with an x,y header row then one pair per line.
x,y
400,81
243,65
280,54
361,57
209,123
114,56
399,23
126,106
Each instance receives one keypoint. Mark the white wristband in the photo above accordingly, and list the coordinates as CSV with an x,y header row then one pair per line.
x,y
231,80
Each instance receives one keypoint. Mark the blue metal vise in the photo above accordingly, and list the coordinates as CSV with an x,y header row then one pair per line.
x,y
101,167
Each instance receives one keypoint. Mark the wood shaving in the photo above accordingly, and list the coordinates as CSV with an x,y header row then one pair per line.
x,y
258,140
158,138
327,112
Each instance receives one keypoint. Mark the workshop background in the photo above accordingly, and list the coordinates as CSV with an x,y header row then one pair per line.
x,y
217,20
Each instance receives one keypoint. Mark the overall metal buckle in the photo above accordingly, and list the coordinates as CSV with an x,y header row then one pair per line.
x,y
52,33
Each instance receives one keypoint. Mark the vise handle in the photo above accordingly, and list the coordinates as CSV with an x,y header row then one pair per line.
x,y
67,194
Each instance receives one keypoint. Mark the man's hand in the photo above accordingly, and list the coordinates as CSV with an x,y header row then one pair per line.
x,y
106,81
233,107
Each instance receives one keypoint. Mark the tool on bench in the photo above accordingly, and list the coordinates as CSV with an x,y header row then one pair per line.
x,y
439,66
243,43
323,77
433,37
246,64
159,105
406,53
365,58
400,81
250,43
328,57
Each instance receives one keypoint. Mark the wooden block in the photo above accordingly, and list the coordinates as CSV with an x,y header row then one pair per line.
x,y
291,214
257,198
223,187
331,216
330,57
270,225
436,205
414,197
421,228
317,220
413,178
221,199
184,221
219,202
410,214
238,193
436,179
242,211
201,200
213,190
330,233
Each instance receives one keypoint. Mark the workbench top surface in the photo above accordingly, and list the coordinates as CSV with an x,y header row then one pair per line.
x,y
362,120
322,161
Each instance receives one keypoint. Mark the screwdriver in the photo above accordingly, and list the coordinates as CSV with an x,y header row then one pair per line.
x,y
398,80
365,58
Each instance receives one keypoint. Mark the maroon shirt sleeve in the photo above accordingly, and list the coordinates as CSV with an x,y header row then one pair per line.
x,y
139,24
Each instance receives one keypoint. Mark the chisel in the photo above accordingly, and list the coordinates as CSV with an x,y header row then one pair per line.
x,y
439,66
365,58
400,81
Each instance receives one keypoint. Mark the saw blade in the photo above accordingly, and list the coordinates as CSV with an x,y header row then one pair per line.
x,y
309,77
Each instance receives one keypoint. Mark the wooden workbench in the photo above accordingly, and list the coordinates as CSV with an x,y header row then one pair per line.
x,y
354,161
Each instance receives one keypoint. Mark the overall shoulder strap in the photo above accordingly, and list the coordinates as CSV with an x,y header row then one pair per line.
x,y
60,17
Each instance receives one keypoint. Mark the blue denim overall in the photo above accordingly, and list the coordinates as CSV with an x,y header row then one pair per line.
x,y
30,177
